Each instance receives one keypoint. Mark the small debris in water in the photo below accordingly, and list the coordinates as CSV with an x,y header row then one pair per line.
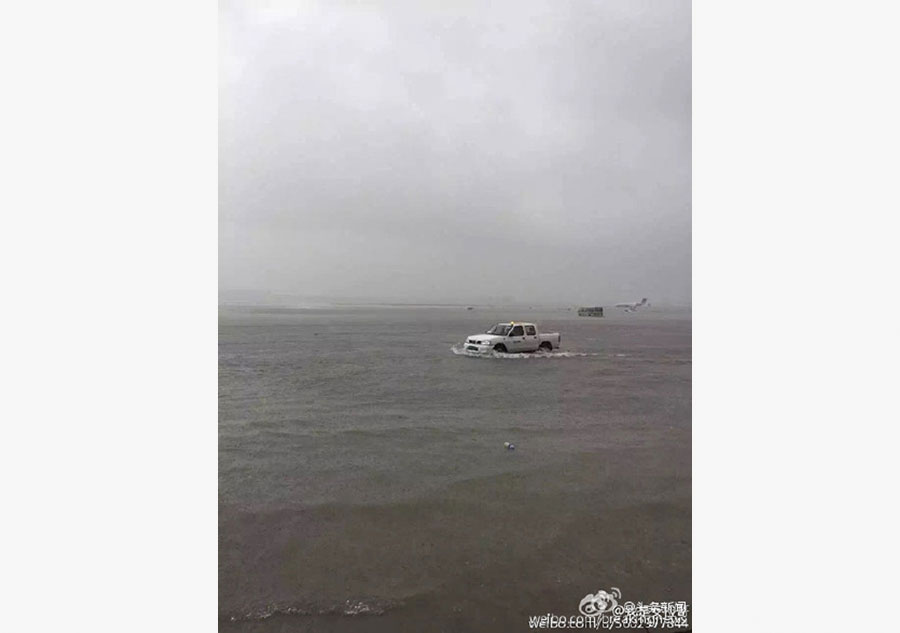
x,y
509,446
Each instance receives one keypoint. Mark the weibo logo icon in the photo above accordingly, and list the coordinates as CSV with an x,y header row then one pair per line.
x,y
600,602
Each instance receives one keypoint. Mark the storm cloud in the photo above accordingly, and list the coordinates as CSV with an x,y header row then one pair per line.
x,y
538,151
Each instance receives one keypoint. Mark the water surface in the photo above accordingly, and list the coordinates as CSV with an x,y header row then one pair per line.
x,y
364,484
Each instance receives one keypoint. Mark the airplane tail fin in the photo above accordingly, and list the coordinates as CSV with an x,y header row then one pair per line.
x,y
644,301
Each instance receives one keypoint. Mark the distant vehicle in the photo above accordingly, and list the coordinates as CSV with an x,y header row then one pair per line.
x,y
632,307
470,308
591,312
513,337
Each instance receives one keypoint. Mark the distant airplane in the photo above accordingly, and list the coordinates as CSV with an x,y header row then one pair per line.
x,y
632,307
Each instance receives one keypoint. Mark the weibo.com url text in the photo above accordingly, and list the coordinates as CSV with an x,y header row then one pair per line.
x,y
604,622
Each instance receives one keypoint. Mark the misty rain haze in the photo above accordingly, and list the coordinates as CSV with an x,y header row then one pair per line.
x,y
396,177
534,151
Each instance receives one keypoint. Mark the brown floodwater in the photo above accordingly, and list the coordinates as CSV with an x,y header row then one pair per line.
x,y
364,484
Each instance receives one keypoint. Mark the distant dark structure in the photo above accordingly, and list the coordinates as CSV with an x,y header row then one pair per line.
x,y
470,308
591,312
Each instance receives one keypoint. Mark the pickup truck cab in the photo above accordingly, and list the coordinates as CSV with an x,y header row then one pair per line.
x,y
513,337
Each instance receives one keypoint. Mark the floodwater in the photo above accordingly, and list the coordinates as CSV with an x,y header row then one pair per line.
x,y
364,484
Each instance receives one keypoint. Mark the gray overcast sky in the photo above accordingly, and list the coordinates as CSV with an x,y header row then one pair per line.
x,y
539,151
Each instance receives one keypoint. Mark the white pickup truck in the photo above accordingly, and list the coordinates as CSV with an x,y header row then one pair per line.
x,y
513,337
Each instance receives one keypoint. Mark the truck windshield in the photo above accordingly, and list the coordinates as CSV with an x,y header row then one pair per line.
x,y
500,329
